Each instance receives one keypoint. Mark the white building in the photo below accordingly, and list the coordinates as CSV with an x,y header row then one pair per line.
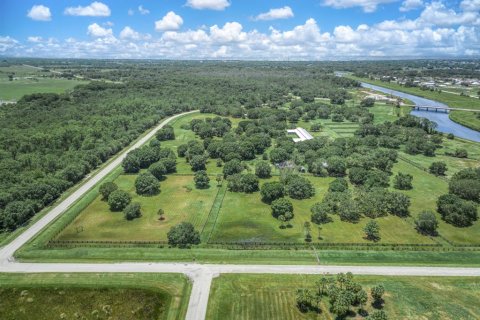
x,y
301,133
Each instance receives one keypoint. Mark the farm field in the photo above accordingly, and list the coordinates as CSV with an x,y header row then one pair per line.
x,y
29,80
178,198
241,217
262,296
93,296
245,218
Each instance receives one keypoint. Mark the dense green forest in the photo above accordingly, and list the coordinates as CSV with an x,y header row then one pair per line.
x,y
50,141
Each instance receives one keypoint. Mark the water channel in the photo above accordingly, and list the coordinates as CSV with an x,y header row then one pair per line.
x,y
441,118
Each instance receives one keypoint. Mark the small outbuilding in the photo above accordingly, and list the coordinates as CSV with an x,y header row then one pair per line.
x,y
301,133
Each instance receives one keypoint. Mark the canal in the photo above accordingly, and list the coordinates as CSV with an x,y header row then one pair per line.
x,y
441,118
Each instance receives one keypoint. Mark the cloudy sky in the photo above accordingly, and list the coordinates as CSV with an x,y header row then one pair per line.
x,y
240,29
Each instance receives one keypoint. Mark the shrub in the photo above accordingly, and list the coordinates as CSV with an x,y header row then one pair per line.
x,y
271,191
460,153
249,183
243,183
132,211
169,164
118,200
131,163
397,203
348,210
232,167
146,184
367,103
263,170
158,170
106,189
202,181
182,150
165,133
300,188
357,175
183,235
320,213
336,166
456,211
279,155
338,185
468,189
198,162
427,223
377,179
403,181
372,230
438,168
281,207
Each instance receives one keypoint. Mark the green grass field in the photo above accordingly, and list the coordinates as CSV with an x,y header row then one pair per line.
x,y
264,296
179,198
29,80
426,189
93,296
245,218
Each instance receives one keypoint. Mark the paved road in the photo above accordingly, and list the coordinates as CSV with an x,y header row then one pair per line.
x,y
200,274
7,251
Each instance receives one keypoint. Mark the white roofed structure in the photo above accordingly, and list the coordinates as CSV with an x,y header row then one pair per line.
x,y
301,133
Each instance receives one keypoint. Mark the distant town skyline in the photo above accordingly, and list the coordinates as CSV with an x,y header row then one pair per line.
x,y
240,29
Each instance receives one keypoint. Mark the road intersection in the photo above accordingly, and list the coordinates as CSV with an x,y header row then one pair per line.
x,y
200,274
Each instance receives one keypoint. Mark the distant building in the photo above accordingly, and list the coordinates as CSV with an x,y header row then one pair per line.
x,y
301,133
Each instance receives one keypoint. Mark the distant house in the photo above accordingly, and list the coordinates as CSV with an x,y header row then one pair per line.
x,y
301,133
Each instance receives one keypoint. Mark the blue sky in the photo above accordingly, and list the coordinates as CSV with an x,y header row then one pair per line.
x,y
240,29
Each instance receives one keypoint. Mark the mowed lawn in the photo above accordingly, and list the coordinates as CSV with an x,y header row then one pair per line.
x,y
264,296
14,90
179,198
245,218
426,190
93,296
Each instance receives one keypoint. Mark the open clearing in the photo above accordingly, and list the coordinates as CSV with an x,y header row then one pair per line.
x,y
29,80
240,296
179,198
93,296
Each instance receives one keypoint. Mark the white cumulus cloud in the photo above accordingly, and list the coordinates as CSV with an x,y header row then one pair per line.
x,y
142,10
408,5
208,4
97,31
367,5
95,9
273,14
470,5
436,13
231,31
40,13
7,43
171,21
34,39
129,33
